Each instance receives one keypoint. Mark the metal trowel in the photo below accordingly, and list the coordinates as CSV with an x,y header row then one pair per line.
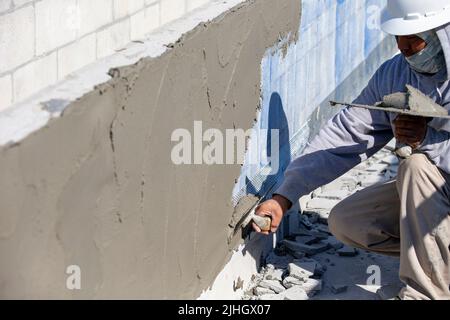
x,y
412,102
249,215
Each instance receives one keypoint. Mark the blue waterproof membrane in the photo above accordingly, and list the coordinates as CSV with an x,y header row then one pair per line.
x,y
335,37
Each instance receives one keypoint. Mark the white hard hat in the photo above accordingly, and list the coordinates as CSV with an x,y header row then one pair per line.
x,y
406,17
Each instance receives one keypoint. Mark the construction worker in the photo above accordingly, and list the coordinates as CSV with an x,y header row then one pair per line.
x,y
408,217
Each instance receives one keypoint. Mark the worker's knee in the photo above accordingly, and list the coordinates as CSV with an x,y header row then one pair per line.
x,y
414,165
338,221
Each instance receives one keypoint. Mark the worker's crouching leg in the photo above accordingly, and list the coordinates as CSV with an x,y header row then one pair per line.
x,y
369,219
424,229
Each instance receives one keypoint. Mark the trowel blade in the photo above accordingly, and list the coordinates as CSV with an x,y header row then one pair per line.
x,y
394,110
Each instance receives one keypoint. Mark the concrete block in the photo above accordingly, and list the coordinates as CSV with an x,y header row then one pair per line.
x,y
94,15
274,274
336,185
171,10
273,285
323,228
336,288
5,92
302,270
124,8
57,23
389,292
259,291
299,232
334,195
320,215
144,21
306,240
334,243
347,251
16,38
312,286
76,55
113,38
289,282
319,235
295,293
271,297
308,249
35,76
321,203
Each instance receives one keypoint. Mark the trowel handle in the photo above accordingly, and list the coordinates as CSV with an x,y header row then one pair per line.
x,y
264,223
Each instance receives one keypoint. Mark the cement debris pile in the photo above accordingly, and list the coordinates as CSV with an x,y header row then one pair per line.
x,y
312,264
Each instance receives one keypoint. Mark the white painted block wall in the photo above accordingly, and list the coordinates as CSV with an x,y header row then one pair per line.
x,y
44,41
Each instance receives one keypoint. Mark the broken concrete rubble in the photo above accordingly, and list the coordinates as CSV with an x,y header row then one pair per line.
x,y
334,243
336,288
312,286
311,249
290,281
302,270
347,251
273,285
295,293
330,278
274,274
259,291
321,203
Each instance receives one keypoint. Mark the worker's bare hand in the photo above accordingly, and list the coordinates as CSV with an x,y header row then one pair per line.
x,y
274,208
410,130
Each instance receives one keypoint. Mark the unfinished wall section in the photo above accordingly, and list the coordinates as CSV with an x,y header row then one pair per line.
x,y
86,174
45,41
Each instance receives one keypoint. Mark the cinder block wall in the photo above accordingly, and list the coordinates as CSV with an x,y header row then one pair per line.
x,y
43,41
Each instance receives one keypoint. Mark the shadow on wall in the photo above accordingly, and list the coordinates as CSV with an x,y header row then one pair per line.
x,y
280,154
277,120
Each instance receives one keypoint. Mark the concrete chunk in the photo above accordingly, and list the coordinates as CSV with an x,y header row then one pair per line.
x,y
336,288
308,249
289,282
334,194
274,274
302,270
271,297
259,291
321,203
312,286
347,251
295,293
306,240
334,243
273,285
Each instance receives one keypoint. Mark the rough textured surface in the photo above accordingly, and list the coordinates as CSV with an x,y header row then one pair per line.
x,y
100,188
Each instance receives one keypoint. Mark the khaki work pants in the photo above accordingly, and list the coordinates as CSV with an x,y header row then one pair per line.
x,y
408,218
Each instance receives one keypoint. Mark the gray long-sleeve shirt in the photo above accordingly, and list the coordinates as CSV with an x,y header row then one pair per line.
x,y
354,134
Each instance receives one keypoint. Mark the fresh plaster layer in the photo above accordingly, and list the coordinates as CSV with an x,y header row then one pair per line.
x,y
94,184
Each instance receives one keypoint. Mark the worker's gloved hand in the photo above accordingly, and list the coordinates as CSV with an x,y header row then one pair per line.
x,y
274,208
410,130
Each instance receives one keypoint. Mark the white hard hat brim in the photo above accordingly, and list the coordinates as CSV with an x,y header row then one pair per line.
x,y
403,27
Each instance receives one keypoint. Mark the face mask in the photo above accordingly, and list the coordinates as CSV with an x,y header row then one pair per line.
x,y
431,59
